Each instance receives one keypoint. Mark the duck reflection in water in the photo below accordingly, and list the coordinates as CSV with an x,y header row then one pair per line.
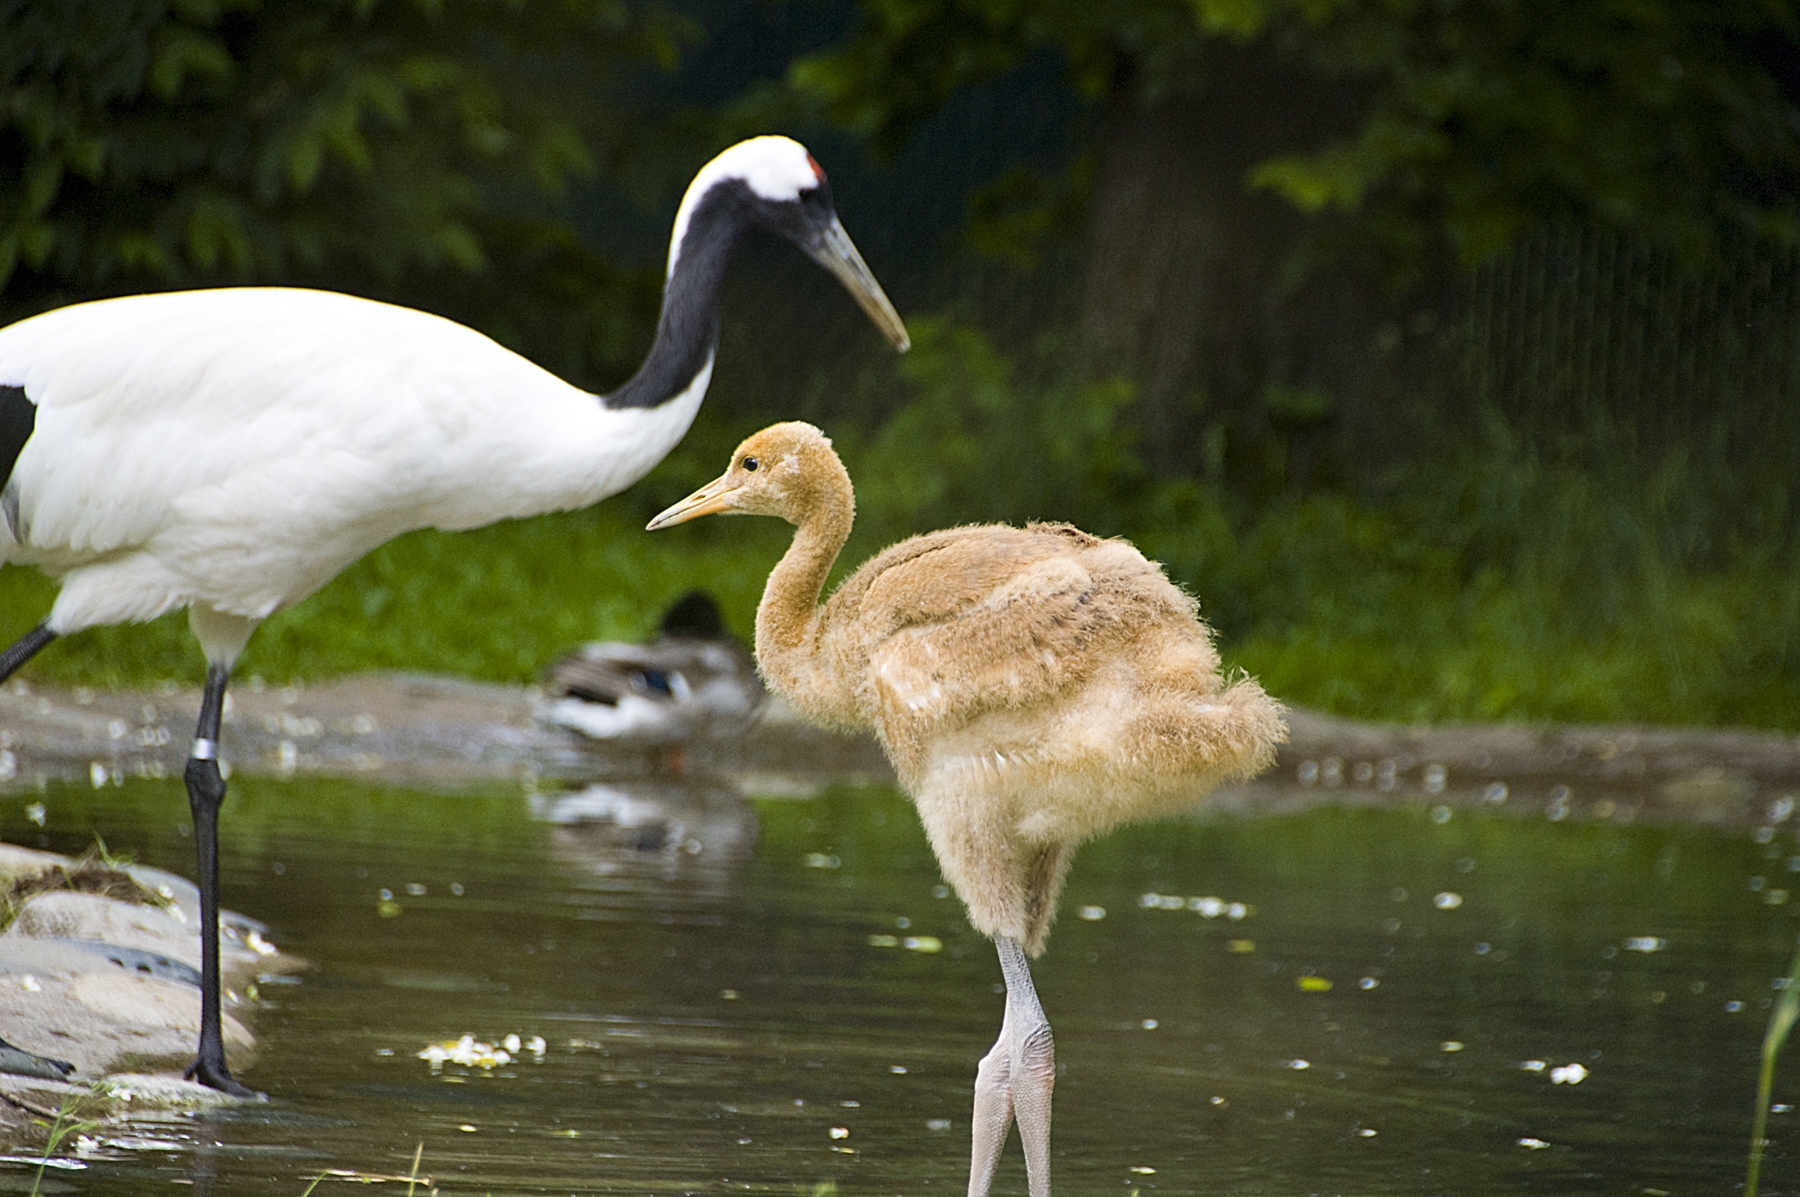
x,y
696,831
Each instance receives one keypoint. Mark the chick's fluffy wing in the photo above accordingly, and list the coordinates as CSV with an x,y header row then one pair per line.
x,y
978,621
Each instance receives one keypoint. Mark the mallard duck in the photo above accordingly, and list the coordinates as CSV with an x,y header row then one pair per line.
x,y
694,680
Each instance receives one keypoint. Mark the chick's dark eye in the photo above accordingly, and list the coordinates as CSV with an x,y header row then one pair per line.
x,y
750,464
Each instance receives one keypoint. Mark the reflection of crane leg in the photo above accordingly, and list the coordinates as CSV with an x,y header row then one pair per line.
x,y
1014,1080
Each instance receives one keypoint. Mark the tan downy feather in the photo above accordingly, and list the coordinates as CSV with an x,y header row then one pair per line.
x,y
1034,687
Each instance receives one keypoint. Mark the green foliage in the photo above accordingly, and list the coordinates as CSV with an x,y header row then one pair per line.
x,y
393,147
1666,117
1475,121
1068,447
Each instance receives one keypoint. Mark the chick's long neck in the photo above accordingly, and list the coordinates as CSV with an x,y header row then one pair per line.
x,y
789,623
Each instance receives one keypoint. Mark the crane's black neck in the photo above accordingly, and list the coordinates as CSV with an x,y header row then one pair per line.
x,y
687,333
18,416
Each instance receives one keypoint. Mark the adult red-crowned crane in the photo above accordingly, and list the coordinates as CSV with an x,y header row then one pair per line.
x,y
229,451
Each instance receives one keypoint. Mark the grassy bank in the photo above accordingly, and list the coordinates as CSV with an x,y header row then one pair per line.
x,y
1505,583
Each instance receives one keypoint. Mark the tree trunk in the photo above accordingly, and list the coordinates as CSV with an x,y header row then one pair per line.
x,y
1185,289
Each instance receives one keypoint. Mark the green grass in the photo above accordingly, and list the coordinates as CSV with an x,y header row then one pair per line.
x,y
498,603
1509,581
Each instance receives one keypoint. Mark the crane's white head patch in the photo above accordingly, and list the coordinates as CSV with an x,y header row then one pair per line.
x,y
776,168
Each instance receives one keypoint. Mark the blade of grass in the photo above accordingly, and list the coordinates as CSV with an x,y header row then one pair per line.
x,y
1781,1022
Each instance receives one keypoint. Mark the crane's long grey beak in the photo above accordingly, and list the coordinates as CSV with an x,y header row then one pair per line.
x,y
712,499
837,253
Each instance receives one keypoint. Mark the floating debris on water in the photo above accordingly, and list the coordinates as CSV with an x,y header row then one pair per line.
x,y
1533,1065
840,1132
1142,1171
1313,984
937,1124
1149,1024
473,1053
1450,1045
1092,914
1447,900
1299,1065
1367,983
1207,907
1568,1074
1533,1144
912,943
1645,943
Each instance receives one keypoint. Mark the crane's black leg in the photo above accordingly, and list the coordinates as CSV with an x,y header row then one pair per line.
x,y
23,649
206,791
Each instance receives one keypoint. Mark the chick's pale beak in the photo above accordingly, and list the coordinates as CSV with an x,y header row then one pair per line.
x,y
711,499
834,250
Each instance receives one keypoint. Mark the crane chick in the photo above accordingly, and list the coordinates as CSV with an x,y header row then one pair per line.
x,y
1033,687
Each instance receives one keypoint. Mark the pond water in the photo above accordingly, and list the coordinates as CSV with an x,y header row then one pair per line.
x,y
797,1007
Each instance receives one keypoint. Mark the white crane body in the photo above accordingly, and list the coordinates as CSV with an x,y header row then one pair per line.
x,y
237,448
